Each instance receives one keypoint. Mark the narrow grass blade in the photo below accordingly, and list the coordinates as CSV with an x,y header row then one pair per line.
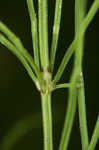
x,y
34,31
15,40
70,50
43,33
19,130
14,50
55,35
95,136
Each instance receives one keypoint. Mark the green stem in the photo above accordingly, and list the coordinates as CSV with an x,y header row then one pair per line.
x,y
82,117
47,121
56,28
71,109
43,34
80,12
95,136
72,91
33,20
15,51
17,43
94,8
63,85
81,97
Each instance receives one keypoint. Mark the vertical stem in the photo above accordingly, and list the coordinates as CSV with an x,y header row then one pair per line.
x,y
47,121
40,32
82,116
44,58
56,27
35,42
71,109
80,11
83,27
74,80
34,31
43,34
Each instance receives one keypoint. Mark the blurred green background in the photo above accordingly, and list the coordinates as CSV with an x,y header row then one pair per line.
x,y
18,95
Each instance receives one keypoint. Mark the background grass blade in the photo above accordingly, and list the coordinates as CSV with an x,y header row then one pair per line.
x,y
14,50
23,126
70,50
19,130
34,31
55,35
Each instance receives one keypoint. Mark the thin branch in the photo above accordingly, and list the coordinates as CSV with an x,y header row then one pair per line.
x,y
64,85
56,27
43,33
71,109
33,20
14,50
16,41
95,136
70,50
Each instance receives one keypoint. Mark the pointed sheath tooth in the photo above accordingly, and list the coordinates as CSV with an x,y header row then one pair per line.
x,y
38,85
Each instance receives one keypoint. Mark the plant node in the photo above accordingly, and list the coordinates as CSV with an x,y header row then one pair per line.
x,y
48,84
